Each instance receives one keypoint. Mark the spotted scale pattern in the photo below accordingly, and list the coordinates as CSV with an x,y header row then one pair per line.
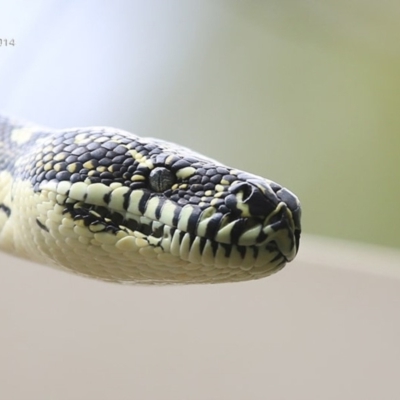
x,y
108,204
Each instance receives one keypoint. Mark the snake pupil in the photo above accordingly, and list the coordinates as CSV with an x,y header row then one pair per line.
x,y
161,179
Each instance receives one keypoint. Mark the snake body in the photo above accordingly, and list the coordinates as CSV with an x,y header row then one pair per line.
x,y
107,204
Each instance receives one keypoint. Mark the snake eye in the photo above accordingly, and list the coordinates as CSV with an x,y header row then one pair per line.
x,y
161,179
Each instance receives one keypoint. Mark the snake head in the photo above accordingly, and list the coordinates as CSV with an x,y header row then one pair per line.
x,y
219,216
108,204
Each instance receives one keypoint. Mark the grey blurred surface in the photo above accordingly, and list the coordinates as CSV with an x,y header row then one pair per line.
x,y
305,93
316,330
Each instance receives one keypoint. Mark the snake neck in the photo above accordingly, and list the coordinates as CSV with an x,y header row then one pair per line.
x,y
16,138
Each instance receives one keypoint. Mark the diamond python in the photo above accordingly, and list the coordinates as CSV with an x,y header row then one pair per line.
x,y
107,204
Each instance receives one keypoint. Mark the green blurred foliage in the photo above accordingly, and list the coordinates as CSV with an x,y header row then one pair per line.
x,y
309,99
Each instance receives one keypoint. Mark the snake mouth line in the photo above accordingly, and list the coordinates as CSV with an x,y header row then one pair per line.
x,y
244,242
259,222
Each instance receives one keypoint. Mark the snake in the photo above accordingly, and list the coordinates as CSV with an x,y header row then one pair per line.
x,y
107,204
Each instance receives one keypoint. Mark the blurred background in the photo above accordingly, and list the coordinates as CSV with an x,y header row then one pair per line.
x,y
305,93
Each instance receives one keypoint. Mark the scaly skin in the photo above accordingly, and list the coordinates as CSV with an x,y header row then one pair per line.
x,y
108,204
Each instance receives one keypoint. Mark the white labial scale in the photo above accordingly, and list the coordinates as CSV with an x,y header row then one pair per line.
x,y
202,227
195,255
117,198
184,216
249,237
151,208
207,213
134,200
185,247
207,257
235,259
127,244
166,244
167,213
221,260
78,191
63,187
175,244
48,187
224,234
248,260
96,193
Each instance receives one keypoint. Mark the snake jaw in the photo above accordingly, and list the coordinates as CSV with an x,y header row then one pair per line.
x,y
252,223
242,242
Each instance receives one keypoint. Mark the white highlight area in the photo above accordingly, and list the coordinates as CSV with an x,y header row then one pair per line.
x,y
21,135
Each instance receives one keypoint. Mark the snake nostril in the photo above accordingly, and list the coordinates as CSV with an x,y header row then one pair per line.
x,y
249,199
248,191
245,188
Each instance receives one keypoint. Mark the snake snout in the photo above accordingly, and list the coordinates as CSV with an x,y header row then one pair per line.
x,y
294,213
277,208
293,204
